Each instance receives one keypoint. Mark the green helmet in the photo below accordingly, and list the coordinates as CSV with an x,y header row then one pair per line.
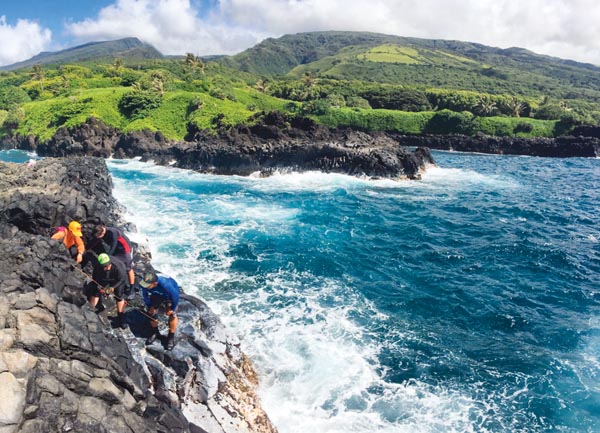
x,y
104,259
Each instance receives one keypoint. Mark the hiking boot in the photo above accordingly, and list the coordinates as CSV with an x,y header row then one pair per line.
x,y
152,338
170,341
99,308
121,322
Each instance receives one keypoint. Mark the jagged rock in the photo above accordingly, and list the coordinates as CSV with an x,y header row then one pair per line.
x,y
560,147
274,143
63,368
12,396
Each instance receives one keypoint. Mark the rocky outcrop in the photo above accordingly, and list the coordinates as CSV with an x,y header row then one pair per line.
x,y
561,147
63,367
272,143
350,152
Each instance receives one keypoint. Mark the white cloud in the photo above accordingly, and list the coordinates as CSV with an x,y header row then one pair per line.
x,y
22,41
564,28
172,26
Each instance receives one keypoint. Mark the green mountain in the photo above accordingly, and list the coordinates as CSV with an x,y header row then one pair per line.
x,y
425,63
365,81
127,48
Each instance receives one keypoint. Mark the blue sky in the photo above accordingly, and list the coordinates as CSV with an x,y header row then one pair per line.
x,y
562,28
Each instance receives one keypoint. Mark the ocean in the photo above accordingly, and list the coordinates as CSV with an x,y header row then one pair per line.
x,y
468,301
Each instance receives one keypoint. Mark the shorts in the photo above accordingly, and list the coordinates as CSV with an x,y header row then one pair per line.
x,y
156,302
91,289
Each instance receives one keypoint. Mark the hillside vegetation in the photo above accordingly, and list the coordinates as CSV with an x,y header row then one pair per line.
x,y
360,80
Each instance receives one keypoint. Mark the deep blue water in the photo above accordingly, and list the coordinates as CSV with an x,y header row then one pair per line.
x,y
468,301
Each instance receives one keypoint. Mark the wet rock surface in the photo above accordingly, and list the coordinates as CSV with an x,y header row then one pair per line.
x,y
65,368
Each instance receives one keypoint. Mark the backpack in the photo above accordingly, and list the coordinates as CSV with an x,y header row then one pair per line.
x,y
58,229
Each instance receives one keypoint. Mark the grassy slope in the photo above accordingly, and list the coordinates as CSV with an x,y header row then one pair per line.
x,y
430,63
171,117
95,89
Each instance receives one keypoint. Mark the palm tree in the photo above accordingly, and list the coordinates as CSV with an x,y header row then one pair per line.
x,y
308,79
194,62
564,106
261,85
158,85
38,74
485,107
515,106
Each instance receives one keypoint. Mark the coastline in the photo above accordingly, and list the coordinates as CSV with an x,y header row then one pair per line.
x,y
275,144
62,366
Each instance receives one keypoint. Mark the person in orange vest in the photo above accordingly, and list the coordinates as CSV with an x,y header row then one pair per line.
x,y
72,238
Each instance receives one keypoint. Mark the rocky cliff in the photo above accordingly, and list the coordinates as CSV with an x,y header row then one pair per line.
x,y
273,143
586,146
63,368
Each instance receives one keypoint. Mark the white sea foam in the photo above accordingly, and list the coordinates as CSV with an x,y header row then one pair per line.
x,y
320,370
458,178
319,366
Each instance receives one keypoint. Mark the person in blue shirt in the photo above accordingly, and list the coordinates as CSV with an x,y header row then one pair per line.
x,y
160,291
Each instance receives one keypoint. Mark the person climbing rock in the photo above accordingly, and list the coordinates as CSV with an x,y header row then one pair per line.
x,y
161,291
109,278
112,241
72,238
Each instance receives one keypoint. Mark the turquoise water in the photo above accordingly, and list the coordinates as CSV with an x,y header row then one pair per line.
x,y
468,301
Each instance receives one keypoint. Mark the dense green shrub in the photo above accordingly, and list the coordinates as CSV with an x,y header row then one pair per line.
x,y
396,98
549,111
138,102
377,120
451,122
357,102
317,106
456,100
14,117
64,112
336,100
12,96
129,77
523,127
514,126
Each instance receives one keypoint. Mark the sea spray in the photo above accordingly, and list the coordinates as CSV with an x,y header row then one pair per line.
x,y
461,302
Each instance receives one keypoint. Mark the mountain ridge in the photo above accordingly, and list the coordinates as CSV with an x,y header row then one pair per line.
x,y
125,47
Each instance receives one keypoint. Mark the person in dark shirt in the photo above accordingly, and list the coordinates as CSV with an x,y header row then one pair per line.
x,y
109,277
161,291
112,241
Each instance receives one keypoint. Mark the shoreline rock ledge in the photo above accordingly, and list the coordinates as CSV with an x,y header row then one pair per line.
x,y
63,368
275,143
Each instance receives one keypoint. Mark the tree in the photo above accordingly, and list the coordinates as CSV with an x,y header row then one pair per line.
x,y
158,85
38,74
485,107
137,103
12,96
309,80
261,85
194,62
516,108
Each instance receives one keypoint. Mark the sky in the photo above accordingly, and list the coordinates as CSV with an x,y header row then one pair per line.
x,y
563,28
